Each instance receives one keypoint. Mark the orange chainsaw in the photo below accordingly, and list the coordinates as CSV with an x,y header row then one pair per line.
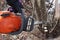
x,y
12,24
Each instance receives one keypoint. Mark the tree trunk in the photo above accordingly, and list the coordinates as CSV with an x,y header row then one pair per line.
x,y
41,10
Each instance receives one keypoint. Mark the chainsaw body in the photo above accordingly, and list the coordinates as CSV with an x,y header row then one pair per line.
x,y
9,22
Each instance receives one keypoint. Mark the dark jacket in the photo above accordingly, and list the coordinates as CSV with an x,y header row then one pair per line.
x,y
11,0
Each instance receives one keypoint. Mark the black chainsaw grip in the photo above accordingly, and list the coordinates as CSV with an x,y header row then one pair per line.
x,y
5,15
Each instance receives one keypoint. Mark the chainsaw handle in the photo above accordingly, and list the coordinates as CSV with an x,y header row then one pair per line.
x,y
5,15
22,26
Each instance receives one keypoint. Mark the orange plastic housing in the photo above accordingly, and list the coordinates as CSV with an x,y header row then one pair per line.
x,y
10,23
